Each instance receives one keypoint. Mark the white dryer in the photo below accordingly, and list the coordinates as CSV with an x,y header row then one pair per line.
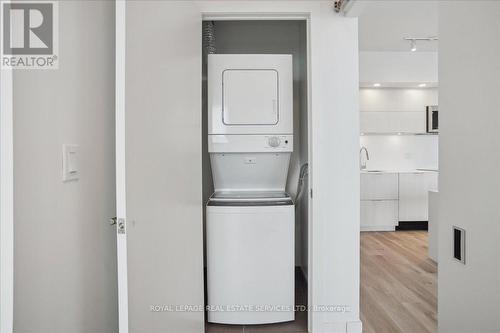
x,y
250,217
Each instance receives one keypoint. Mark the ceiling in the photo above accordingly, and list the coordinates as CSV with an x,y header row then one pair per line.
x,y
384,23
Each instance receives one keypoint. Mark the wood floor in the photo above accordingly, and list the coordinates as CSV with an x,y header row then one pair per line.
x,y
398,283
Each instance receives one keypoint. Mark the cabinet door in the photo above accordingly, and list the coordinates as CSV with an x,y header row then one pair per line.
x,y
379,215
392,122
411,122
379,186
413,194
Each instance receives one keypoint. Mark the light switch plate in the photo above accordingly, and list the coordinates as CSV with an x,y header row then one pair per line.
x,y
70,167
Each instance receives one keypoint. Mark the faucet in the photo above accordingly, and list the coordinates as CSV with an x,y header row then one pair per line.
x,y
362,164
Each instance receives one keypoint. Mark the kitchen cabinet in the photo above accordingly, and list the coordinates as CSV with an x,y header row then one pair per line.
x,y
393,122
413,195
379,201
379,186
379,215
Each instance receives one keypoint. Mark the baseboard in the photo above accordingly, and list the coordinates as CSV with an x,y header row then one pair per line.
x,y
378,228
354,327
413,225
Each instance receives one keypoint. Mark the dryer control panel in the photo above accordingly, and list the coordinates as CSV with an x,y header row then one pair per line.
x,y
249,143
278,141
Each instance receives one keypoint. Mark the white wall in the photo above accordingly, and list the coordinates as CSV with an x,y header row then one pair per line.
x,y
334,177
401,152
469,75
64,248
398,67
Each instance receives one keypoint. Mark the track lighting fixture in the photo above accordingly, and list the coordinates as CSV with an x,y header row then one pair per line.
x,y
413,41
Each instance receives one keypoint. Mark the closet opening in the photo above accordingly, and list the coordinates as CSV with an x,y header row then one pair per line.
x,y
255,139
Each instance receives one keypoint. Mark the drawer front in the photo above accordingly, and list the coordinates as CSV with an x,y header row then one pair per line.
x,y
413,193
379,186
383,213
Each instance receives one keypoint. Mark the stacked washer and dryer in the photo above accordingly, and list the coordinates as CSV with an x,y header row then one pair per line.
x,y
250,217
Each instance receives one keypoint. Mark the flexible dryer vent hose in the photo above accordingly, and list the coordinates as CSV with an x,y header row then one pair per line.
x,y
304,172
209,36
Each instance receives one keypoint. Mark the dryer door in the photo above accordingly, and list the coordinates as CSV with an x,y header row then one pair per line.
x,y
250,94
250,97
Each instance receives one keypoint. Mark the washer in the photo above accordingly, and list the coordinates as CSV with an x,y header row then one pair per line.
x,y
250,258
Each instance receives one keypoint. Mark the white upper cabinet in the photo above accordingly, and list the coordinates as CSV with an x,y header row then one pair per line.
x,y
384,110
392,122
398,68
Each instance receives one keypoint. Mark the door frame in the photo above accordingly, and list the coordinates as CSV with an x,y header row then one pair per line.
x,y
6,202
291,16
121,193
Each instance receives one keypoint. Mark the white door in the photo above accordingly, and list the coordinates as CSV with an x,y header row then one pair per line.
x,y
158,153
6,203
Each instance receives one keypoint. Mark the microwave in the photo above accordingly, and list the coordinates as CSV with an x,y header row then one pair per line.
x,y
432,119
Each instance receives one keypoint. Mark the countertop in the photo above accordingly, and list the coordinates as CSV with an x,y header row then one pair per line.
x,y
369,171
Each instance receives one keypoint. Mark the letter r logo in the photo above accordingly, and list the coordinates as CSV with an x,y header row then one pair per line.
x,y
28,28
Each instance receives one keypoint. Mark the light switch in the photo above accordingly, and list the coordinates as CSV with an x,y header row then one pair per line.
x,y
70,162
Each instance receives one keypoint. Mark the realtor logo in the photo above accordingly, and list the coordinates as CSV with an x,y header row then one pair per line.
x,y
29,34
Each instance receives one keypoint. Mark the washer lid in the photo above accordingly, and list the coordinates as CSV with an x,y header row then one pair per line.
x,y
250,198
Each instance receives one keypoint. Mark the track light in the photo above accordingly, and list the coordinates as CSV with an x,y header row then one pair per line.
x,y
413,41
413,45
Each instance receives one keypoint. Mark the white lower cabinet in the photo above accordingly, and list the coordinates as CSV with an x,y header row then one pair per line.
x,y
413,195
379,201
379,215
390,198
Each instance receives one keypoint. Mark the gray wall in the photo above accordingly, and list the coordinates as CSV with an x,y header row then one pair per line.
x,y
65,252
272,37
469,160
